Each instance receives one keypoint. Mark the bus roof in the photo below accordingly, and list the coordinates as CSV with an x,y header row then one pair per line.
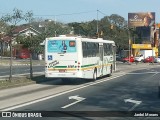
x,y
99,40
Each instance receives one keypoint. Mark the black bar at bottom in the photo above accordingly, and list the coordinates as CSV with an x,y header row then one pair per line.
x,y
80,114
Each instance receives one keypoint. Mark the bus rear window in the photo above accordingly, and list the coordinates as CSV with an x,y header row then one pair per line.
x,y
61,46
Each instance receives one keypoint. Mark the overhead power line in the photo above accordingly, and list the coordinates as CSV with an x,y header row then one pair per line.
x,y
65,14
101,12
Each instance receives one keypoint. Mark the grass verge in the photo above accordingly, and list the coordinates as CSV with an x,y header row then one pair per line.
x,y
20,81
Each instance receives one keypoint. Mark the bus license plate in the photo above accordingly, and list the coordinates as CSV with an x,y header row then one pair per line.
x,y
62,71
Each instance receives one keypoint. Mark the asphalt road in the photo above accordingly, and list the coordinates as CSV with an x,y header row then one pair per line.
x,y
134,91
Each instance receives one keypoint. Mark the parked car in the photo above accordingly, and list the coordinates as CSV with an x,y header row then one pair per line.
x,y
139,58
24,55
128,59
157,60
149,59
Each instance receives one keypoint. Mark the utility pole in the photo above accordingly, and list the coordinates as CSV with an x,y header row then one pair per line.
x,y
1,38
55,32
129,43
11,60
31,71
97,24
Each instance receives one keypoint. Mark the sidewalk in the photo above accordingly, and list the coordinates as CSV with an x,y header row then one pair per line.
x,y
126,67
16,62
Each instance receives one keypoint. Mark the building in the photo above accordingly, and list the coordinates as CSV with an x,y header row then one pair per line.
x,y
149,40
18,31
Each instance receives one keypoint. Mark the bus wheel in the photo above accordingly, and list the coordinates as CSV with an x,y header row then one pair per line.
x,y
95,75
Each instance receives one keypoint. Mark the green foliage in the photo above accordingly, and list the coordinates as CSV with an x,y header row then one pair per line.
x,y
33,43
6,53
113,27
13,19
118,32
51,29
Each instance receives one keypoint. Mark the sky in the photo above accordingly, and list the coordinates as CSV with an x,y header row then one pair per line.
x,y
80,10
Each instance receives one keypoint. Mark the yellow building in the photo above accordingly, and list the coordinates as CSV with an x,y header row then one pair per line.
x,y
137,47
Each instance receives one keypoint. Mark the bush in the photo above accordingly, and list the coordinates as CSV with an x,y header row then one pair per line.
x,y
7,53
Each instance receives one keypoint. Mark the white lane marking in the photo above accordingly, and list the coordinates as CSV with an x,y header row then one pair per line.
x,y
62,93
144,73
77,98
132,101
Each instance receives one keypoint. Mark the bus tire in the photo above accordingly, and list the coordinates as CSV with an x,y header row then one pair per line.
x,y
95,75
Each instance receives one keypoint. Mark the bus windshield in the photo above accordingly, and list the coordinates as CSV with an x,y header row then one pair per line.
x,y
60,46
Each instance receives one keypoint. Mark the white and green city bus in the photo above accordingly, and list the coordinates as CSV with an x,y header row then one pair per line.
x,y
77,57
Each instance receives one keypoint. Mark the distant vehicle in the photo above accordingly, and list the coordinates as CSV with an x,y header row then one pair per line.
x,y
128,59
118,58
157,60
149,59
139,58
23,54
77,57
147,53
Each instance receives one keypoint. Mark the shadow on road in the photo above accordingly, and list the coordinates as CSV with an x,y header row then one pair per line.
x,y
57,81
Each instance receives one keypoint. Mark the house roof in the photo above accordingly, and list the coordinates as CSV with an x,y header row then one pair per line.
x,y
23,29
18,30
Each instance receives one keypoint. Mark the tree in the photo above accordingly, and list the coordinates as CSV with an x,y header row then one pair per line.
x,y
29,18
118,32
85,29
13,20
3,30
55,29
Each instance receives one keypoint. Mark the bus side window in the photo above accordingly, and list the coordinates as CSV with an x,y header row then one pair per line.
x,y
84,49
105,49
97,49
110,49
89,49
92,50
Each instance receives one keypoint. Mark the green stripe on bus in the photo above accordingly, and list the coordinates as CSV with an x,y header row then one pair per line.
x,y
60,67
88,65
